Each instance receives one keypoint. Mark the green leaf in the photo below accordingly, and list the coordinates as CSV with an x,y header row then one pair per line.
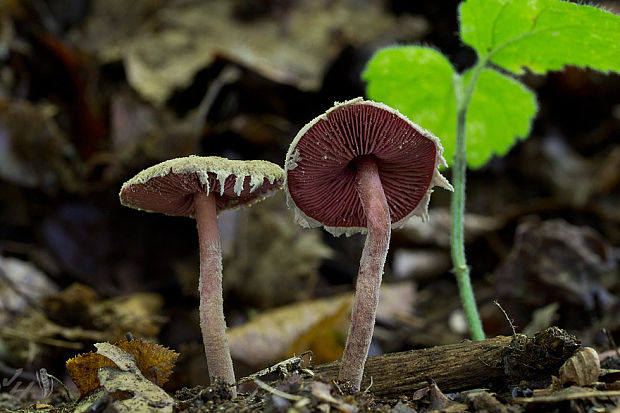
x,y
501,110
418,81
541,35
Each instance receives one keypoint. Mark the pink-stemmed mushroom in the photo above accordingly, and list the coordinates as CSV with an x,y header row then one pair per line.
x,y
362,167
201,187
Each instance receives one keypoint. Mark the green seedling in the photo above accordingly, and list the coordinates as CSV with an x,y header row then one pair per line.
x,y
484,110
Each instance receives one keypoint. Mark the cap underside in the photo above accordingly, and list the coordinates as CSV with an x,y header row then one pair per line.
x,y
321,177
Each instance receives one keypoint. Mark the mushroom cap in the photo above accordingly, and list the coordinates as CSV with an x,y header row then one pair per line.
x,y
320,178
169,187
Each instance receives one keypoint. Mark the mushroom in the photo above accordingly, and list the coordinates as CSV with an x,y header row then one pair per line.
x,y
201,187
362,167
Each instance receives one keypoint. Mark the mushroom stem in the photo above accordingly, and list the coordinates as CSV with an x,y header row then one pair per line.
x,y
212,321
370,191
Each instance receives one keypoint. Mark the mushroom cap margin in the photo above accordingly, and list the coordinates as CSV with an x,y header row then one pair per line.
x,y
168,187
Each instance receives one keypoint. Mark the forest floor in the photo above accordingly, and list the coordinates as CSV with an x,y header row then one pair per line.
x,y
92,92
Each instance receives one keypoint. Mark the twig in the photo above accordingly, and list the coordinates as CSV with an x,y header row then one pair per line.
x,y
370,385
229,74
510,321
611,341
13,286
57,380
277,392
283,366
12,333
246,401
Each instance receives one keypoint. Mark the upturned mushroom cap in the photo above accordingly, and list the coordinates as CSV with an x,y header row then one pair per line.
x,y
169,187
320,175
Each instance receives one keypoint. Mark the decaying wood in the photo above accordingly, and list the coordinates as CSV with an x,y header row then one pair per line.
x,y
453,367
466,365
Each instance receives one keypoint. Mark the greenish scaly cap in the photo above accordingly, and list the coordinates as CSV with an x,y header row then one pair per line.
x,y
169,187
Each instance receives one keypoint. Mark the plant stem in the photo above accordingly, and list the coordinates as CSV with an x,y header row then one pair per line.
x,y
374,203
459,168
212,323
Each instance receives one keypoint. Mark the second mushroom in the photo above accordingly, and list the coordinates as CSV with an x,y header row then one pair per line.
x,y
362,167
201,187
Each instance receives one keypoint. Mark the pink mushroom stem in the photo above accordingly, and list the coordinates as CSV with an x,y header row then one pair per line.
x,y
366,299
212,321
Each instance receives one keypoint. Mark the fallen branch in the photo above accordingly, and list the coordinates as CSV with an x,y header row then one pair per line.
x,y
466,365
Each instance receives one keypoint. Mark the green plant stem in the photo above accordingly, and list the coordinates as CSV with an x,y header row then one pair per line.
x,y
459,168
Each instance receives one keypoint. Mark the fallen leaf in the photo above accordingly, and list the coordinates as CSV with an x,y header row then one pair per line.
x,y
322,391
554,261
277,272
583,368
270,335
422,264
319,325
439,401
152,360
34,152
396,300
138,313
180,39
437,230
21,285
569,394
326,339
128,381
83,371
483,401
542,318
41,333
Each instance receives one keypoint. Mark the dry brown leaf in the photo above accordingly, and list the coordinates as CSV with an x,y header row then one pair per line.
x,y
437,230
396,300
269,336
483,401
170,47
555,261
139,131
153,360
83,371
34,327
75,296
274,273
420,264
21,284
138,313
35,151
568,394
323,391
117,383
319,325
439,401
583,368
326,338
